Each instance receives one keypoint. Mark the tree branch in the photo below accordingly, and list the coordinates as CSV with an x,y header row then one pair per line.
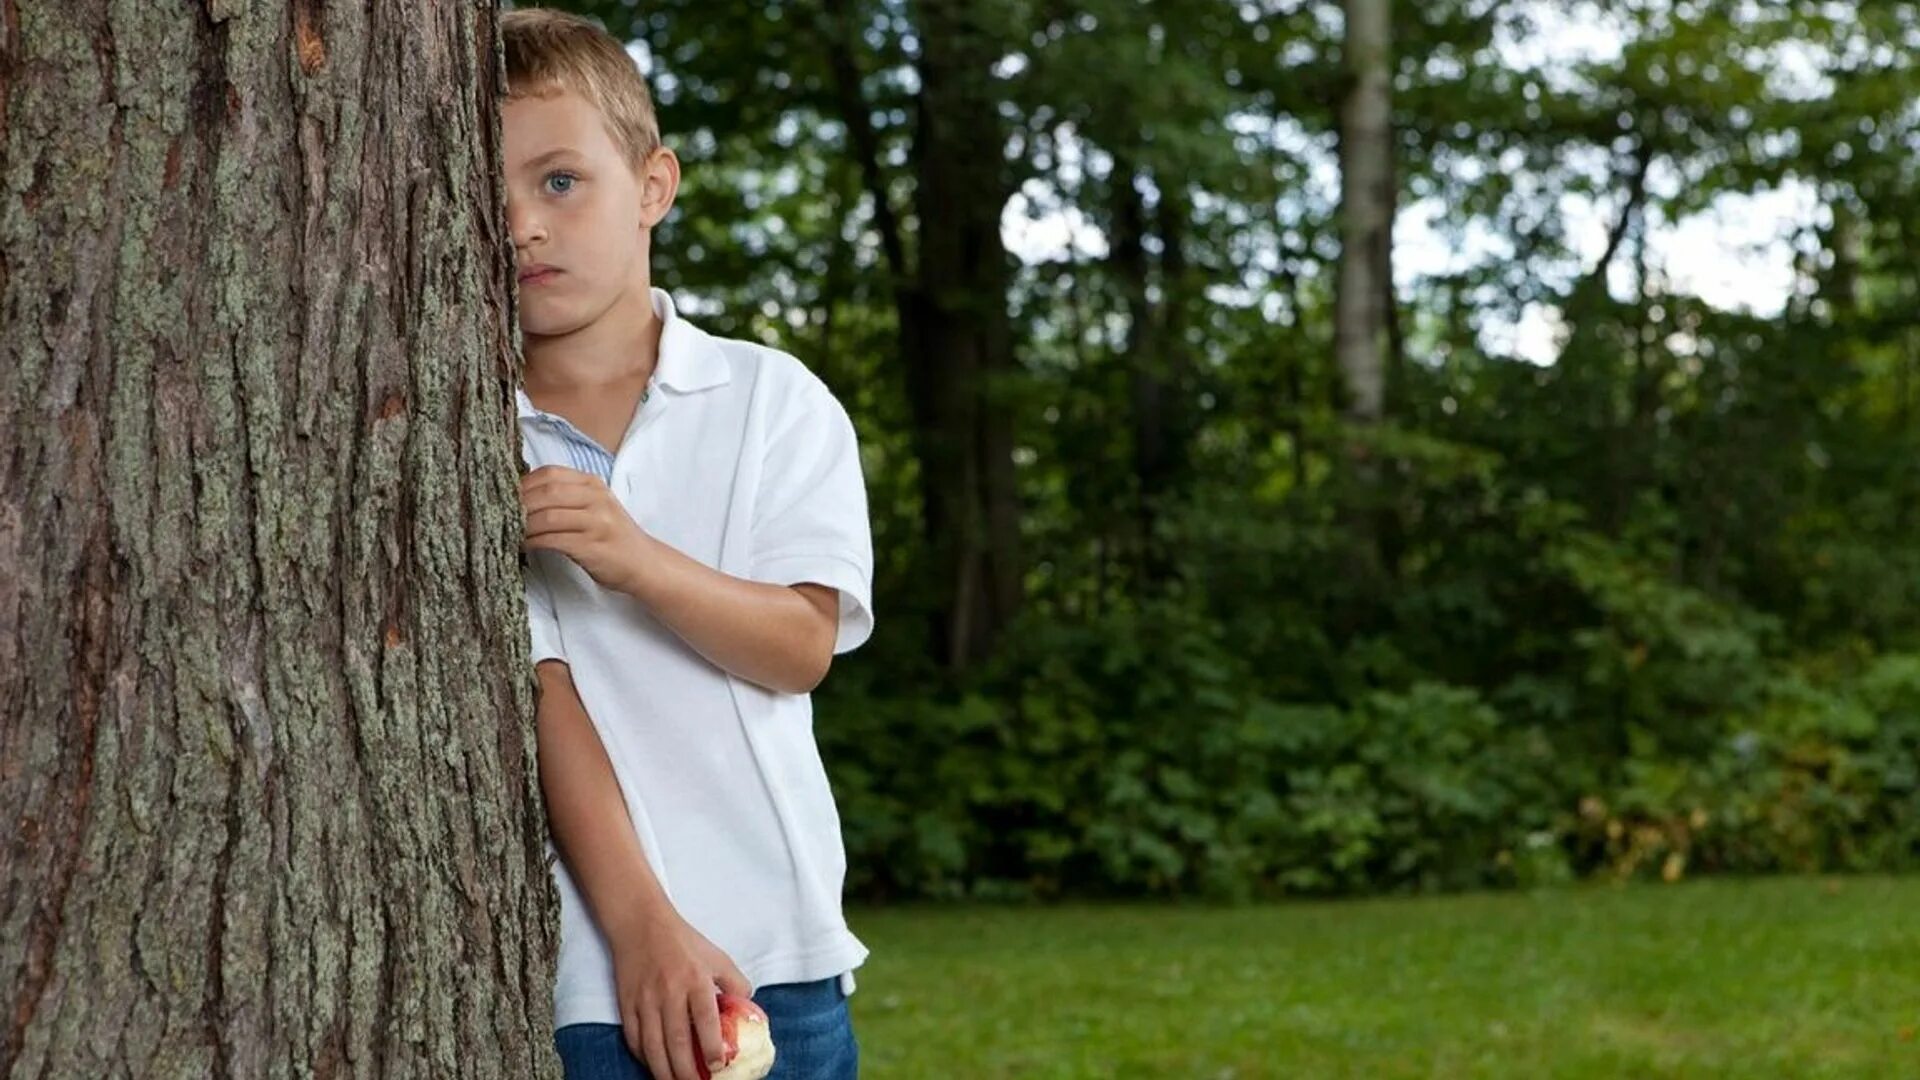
x,y
836,33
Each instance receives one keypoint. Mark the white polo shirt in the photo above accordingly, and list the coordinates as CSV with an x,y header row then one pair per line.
x,y
741,458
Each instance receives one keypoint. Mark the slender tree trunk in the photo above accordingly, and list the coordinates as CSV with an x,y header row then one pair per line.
x,y
266,758
1132,272
1909,377
1158,370
955,340
960,340
1362,331
1294,379
1365,338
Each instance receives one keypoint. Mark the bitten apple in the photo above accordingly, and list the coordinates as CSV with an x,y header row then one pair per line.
x,y
747,1038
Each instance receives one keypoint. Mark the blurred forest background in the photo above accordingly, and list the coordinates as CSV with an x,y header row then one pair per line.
x,y
1332,448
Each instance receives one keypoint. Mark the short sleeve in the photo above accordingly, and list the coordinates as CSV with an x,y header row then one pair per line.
x,y
542,618
810,519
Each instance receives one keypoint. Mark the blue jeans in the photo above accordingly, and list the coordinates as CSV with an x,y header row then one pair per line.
x,y
812,1039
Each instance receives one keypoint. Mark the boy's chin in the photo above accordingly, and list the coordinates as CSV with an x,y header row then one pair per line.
x,y
538,323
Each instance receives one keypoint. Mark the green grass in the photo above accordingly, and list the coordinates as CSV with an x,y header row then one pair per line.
x,y
1771,978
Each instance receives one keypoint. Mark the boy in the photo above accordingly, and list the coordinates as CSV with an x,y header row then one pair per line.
x,y
698,552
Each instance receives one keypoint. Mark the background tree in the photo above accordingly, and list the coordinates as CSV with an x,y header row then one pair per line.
x,y
1364,296
1634,544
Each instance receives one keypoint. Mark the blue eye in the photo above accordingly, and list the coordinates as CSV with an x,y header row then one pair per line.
x,y
560,183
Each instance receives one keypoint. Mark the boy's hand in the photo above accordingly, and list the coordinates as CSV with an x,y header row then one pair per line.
x,y
577,515
666,975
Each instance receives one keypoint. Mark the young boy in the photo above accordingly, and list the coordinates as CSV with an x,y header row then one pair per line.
x,y
698,553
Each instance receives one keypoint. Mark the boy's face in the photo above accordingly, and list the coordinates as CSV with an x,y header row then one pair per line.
x,y
580,212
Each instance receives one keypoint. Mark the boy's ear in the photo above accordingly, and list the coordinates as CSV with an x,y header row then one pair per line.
x,y
659,184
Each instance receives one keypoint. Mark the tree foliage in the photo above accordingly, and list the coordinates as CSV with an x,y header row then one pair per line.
x,y
1654,599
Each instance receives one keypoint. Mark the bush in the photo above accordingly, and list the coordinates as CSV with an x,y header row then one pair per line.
x,y
1103,768
1823,775
1124,760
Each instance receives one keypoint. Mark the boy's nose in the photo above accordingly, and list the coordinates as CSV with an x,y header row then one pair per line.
x,y
525,228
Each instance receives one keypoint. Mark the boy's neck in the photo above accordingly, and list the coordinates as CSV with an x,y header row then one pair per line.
x,y
621,346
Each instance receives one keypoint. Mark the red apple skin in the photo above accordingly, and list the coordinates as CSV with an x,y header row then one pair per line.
x,y
732,1008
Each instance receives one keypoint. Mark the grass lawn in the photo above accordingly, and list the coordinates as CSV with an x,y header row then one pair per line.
x,y
1769,978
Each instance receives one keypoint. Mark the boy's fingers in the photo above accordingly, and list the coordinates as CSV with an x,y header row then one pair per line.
x,y
733,982
548,498
680,1047
558,520
630,1030
653,1047
706,1028
551,477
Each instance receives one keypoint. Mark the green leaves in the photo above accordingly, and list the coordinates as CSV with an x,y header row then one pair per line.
x,y
1625,575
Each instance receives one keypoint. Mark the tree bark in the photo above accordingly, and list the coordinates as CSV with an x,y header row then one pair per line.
x,y
1154,352
1362,336
266,754
959,341
955,339
1366,338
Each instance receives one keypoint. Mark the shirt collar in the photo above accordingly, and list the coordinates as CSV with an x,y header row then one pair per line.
x,y
689,359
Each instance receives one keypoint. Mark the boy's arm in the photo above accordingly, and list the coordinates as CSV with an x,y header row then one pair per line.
x,y
779,636
807,594
587,813
665,971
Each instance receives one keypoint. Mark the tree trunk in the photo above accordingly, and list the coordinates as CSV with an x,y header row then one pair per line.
x,y
955,340
1154,352
266,757
1362,335
1365,336
958,339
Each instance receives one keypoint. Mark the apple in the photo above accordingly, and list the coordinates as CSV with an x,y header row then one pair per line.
x,y
747,1038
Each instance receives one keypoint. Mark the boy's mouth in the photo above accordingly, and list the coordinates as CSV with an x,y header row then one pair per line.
x,y
536,273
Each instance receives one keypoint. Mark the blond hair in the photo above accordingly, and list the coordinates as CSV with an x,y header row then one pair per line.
x,y
552,50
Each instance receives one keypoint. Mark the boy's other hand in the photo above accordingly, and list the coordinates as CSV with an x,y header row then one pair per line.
x,y
577,515
666,975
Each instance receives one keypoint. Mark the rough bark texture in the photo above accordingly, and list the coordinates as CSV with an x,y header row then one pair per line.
x,y
1362,331
266,756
